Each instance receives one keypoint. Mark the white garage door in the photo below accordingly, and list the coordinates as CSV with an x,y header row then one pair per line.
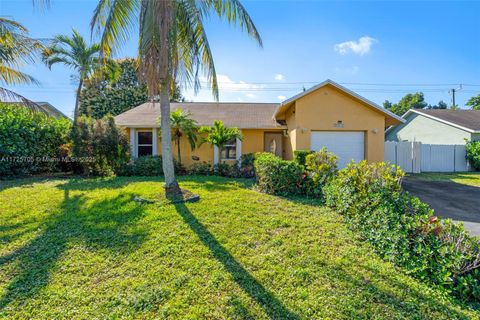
x,y
347,145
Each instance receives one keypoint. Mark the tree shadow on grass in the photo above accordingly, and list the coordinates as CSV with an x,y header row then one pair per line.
x,y
272,306
100,225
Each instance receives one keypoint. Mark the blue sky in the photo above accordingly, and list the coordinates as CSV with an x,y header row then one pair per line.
x,y
421,46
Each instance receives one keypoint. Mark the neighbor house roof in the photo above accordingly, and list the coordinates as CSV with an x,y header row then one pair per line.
x,y
468,120
240,115
46,107
285,104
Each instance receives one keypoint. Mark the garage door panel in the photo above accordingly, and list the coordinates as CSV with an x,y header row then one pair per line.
x,y
347,145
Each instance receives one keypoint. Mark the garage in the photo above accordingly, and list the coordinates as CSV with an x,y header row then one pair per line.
x,y
347,145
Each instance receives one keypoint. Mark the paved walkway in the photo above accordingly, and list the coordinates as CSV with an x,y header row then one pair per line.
x,y
449,199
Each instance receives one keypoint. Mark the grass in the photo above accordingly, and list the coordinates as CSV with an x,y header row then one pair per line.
x,y
73,248
467,178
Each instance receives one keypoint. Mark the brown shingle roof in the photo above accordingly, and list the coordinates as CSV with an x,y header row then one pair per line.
x,y
468,119
240,115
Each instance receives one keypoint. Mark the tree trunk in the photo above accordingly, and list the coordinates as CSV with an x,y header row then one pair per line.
x,y
178,150
77,102
165,21
171,184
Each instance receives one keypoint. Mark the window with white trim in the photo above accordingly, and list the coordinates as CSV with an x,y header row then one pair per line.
x,y
229,150
144,143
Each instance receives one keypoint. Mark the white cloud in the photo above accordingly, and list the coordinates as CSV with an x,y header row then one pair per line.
x,y
279,77
251,95
360,47
281,98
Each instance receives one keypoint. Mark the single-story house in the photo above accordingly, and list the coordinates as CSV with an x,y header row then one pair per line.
x,y
437,126
327,115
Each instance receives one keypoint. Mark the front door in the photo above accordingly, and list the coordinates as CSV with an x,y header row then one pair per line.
x,y
273,142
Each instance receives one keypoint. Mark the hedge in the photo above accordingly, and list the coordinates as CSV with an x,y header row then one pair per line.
x,y
30,142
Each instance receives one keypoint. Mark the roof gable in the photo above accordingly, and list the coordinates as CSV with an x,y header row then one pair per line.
x,y
287,103
467,120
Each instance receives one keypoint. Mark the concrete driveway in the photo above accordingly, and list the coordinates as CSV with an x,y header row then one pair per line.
x,y
449,199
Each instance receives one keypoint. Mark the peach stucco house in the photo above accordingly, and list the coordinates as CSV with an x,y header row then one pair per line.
x,y
327,115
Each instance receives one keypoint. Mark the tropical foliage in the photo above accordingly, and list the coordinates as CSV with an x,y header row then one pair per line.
x,y
182,125
16,50
99,145
30,142
218,135
412,101
473,153
172,46
113,90
73,52
474,102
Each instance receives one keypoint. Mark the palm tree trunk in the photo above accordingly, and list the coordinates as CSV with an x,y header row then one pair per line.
x,y
77,101
178,151
171,184
165,20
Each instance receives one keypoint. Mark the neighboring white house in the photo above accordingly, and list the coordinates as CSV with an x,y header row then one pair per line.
x,y
437,126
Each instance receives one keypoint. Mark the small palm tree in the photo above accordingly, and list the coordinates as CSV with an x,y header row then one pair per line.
x,y
16,50
172,45
183,125
75,53
218,135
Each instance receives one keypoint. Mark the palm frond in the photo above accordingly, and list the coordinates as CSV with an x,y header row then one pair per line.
x,y
14,77
115,20
9,96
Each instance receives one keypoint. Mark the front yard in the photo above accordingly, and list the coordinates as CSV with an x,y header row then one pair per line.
x,y
79,248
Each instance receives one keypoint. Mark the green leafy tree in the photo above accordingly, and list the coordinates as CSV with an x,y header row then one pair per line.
x,y
17,49
116,89
218,135
182,125
172,44
474,102
409,101
113,91
74,52
440,105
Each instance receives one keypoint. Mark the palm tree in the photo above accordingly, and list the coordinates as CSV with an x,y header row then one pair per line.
x,y
218,135
16,50
183,125
75,53
172,45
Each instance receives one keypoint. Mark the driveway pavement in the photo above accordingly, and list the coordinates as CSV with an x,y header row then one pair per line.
x,y
449,199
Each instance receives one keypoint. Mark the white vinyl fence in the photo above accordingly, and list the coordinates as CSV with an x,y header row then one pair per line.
x,y
417,157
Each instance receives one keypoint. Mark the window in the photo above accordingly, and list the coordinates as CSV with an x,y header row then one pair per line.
x,y
229,151
145,143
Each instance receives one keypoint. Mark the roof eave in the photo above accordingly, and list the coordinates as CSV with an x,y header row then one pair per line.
x,y
441,120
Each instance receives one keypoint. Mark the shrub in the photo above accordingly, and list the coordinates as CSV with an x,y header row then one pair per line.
x,y
300,156
200,168
322,168
30,141
473,153
148,166
102,146
277,176
143,166
247,169
404,230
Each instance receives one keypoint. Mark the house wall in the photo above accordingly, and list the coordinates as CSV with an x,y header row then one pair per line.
x,y
429,131
320,110
253,141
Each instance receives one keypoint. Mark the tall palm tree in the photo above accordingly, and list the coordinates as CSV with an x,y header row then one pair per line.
x,y
16,50
75,53
172,45
218,135
183,125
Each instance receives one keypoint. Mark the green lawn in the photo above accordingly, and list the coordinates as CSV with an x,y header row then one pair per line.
x,y
468,178
75,248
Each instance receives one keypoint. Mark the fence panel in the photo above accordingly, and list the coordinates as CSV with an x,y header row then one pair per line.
x,y
417,157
